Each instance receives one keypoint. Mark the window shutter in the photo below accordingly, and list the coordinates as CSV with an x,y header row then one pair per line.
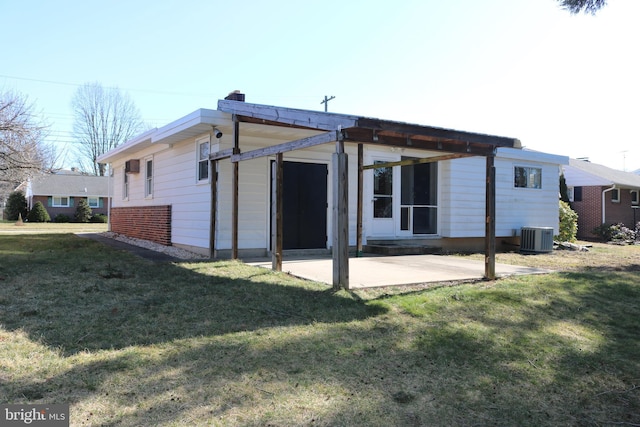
x,y
100,202
49,201
71,202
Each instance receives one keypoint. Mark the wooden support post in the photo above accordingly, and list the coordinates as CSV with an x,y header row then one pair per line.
x,y
235,190
360,200
213,167
276,212
490,226
340,217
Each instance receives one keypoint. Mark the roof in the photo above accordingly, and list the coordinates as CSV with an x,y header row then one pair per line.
x,y
581,173
70,185
292,124
369,130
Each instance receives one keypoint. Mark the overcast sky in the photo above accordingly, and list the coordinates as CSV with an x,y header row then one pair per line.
x,y
561,83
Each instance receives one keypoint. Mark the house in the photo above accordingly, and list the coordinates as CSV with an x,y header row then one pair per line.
x,y
270,179
601,195
60,193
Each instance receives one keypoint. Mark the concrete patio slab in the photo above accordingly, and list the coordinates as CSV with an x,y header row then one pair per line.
x,y
376,271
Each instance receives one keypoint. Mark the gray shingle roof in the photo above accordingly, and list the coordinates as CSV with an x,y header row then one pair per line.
x,y
583,173
70,185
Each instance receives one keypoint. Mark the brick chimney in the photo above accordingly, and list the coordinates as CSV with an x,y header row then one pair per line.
x,y
236,95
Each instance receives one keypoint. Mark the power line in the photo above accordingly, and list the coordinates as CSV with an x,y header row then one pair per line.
x,y
158,92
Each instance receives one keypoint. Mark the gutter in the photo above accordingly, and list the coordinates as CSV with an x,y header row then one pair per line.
x,y
613,187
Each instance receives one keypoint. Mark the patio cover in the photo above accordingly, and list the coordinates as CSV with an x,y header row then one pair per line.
x,y
341,129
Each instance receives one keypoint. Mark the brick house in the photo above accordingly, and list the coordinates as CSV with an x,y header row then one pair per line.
x,y
601,195
60,193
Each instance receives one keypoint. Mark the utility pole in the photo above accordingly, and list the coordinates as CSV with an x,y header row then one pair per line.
x,y
326,102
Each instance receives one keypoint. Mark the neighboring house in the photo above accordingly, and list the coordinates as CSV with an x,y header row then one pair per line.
x,y
601,195
421,185
60,193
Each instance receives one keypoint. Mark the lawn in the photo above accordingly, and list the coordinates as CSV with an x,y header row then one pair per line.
x,y
127,342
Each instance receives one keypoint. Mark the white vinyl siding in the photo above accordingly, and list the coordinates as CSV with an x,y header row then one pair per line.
x,y
463,191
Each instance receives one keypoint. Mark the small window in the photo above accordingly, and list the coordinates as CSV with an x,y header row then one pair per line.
x,y
527,177
148,178
634,197
125,184
577,194
60,202
615,195
93,202
203,160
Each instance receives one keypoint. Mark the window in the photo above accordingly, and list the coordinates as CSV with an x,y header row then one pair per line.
x,y
203,160
60,202
382,192
634,197
93,202
527,177
615,195
125,184
148,177
577,194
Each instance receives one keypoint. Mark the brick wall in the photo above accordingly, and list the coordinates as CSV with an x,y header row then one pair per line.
x,y
143,222
589,210
71,210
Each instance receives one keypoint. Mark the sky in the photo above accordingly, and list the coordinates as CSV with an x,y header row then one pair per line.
x,y
560,83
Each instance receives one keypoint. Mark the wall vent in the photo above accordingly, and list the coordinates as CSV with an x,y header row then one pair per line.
x,y
536,239
132,166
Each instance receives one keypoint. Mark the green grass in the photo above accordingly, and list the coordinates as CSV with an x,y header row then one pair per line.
x,y
127,342
10,227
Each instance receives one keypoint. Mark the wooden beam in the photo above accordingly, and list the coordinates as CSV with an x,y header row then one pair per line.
x,y
419,142
340,249
276,212
415,161
490,226
222,154
408,129
299,144
235,191
288,116
360,200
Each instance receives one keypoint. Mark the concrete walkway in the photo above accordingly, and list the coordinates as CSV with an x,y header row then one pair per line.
x,y
367,272
375,271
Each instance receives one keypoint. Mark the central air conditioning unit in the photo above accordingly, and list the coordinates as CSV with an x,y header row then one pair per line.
x,y
536,239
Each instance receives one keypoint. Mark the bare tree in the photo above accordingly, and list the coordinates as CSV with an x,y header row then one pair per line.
x,y
586,6
23,152
103,119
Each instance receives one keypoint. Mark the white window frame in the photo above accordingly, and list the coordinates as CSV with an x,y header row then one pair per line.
x,y
635,197
58,203
199,142
95,205
615,192
148,178
125,184
531,181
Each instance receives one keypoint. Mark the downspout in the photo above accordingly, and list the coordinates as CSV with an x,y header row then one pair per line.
x,y
110,177
604,211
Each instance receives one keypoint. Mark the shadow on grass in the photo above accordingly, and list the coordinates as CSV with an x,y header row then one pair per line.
x,y
78,295
560,350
